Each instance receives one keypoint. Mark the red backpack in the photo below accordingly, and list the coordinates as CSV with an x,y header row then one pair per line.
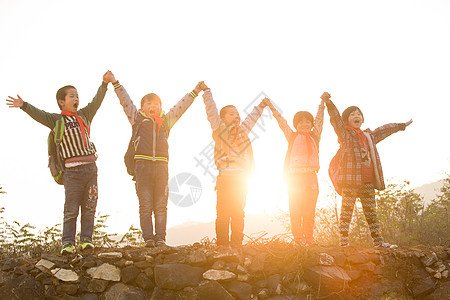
x,y
333,171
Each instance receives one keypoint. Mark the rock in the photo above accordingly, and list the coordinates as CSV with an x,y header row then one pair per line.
x,y
160,294
129,274
22,287
326,279
144,282
162,250
149,272
110,255
422,286
445,274
241,270
121,291
9,264
354,274
88,297
299,287
70,289
97,285
219,275
258,263
45,265
142,264
177,276
212,290
263,294
240,290
243,277
228,255
65,275
358,258
174,258
197,259
429,270
89,263
5,277
222,265
438,275
149,259
58,260
442,292
134,255
105,272
274,282
370,266
429,259
326,259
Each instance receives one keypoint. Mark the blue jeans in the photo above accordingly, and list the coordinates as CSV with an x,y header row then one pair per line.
x,y
152,180
80,184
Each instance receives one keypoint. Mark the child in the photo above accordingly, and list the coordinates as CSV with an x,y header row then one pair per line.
x,y
233,156
360,168
300,167
152,156
79,156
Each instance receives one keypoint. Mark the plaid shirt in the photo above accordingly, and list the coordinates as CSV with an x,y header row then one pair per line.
x,y
350,162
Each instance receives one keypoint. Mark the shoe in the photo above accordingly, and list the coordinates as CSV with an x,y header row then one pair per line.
x,y
343,241
160,243
86,245
67,248
386,245
149,244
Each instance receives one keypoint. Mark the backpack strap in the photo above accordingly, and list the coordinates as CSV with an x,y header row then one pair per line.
x,y
59,132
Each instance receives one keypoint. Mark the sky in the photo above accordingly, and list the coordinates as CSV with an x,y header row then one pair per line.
x,y
390,58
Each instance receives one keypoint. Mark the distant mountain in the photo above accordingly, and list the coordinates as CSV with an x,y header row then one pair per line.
x,y
255,225
430,190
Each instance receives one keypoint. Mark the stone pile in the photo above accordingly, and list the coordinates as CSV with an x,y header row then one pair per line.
x,y
269,271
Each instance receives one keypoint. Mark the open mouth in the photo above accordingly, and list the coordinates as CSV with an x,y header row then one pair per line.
x,y
75,105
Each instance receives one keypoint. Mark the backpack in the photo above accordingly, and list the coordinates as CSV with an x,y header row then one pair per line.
x,y
333,171
54,151
129,155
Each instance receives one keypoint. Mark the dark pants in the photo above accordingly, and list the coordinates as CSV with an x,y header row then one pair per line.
x,y
152,180
303,190
81,190
231,195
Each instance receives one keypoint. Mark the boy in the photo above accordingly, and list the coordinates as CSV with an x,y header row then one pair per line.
x,y
300,167
360,170
152,156
78,154
233,156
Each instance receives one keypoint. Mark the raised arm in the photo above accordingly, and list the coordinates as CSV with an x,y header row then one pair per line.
x,y
384,131
178,110
253,116
211,110
318,121
282,123
127,104
335,117
41,116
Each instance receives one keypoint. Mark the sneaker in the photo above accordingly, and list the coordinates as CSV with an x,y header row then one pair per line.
x,y
160,243
386,245
86,245
149,243
67,248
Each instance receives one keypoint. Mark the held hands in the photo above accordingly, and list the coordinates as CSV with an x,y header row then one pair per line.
x,y
109,77
198,87
204,87
325,97
265,102
13,102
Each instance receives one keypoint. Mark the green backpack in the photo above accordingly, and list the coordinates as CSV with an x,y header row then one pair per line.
x,y
55,162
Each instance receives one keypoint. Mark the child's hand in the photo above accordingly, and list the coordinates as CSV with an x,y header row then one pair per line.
x,y
265,102
325,97
408,123
13,102
204,86
198,87
109,77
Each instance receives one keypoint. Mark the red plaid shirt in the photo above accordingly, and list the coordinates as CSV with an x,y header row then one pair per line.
x,y
350,172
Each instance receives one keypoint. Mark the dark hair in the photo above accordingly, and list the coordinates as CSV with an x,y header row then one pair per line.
x,y
223,110
348,111
150,97
61,94
303,114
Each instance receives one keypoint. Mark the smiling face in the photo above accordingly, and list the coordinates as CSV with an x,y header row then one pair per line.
x,y
304,125
355,119
231,115
70,102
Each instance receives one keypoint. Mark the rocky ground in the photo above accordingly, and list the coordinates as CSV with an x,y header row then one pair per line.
x,y
268,270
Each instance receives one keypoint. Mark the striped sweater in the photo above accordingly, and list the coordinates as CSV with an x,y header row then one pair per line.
x,y
72,141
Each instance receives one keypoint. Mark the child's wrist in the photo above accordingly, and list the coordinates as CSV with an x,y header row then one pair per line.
x,y
116,84
194,94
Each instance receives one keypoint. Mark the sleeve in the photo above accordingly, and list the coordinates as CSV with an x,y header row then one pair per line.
x,y
178,110
336,121
91,109
127,104
384,131
41,116
287,131
211,110
318,122
252,118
